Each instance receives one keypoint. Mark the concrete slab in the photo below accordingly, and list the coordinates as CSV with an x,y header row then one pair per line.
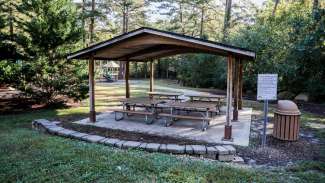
x,y
181,129
199,149
189,149
163,148
92,138
78,135
120,143
230,148
54,129
226,157
111,141
212,152
143,145
221,150
152,147
176,149
103,140
131,144
66,133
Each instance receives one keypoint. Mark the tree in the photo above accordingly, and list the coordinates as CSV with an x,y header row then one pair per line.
x,y
52,28
12,45
129,14
289,43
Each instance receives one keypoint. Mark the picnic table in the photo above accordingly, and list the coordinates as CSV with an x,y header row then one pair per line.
x,y
205,109
207,98
165,95
140,102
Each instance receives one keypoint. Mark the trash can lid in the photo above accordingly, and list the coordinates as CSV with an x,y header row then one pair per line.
x,y
287,107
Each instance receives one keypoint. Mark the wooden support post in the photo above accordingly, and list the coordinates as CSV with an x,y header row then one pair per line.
x,y
240,83
228,127
152,75
236,89
92,113
127,86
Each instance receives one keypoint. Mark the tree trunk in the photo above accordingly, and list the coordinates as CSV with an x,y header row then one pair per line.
x,y
91,68
83,23
226,19
202,22
181,17
315,8
92,20
11,22
126,20
276,3
124,30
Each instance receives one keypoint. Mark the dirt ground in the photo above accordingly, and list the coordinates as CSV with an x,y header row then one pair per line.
x,y
12,101
124,135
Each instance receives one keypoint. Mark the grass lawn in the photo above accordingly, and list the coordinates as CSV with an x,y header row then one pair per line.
x,y
29,156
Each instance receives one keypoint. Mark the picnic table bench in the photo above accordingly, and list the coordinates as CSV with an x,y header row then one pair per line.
x,y
128,112
142,102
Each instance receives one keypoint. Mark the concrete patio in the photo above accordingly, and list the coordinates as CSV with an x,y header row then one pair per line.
x,y
182,129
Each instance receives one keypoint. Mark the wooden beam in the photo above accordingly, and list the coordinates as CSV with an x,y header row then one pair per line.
x,y
92,112
228,127
127,86
236,89
149,49
152,75
165,53
240,83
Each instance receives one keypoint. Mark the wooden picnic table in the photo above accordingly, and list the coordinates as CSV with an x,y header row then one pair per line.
x,y
207,98
141,102
205,109
165,95
191,106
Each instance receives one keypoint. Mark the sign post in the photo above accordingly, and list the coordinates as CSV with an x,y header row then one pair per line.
x,y
266,90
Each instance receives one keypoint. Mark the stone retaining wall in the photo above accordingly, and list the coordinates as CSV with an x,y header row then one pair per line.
x,y
219,152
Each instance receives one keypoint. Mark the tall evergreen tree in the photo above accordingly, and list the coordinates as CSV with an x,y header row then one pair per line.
x,y
53,28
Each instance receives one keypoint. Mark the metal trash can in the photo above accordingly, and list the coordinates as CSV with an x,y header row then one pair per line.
x,y
286,121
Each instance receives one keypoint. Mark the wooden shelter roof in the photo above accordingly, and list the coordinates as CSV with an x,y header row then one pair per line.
x,y
144,44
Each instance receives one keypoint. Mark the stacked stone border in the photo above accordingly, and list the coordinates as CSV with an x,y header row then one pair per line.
x,y
218,152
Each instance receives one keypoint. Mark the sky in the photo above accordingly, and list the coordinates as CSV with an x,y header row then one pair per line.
x,y
258,2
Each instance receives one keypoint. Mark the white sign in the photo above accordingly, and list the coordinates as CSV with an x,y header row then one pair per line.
x,y
267,86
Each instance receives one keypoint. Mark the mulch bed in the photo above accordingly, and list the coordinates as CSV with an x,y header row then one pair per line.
x,y
126,135
278,152
281,153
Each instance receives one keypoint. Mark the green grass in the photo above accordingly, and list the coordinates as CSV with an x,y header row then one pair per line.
x,y
29,156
